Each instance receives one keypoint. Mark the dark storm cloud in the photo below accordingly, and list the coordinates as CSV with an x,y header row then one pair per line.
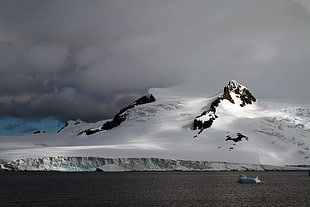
x,y
86,59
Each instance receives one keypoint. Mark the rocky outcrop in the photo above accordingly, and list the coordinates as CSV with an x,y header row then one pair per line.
x,y
238,138
120,116
232,92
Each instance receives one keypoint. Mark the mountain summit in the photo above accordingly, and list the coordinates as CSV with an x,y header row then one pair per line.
x,y
235,93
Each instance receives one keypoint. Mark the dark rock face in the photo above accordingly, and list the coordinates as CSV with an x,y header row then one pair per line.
x,y
120,116
39,132
227,96
238,138
200,124
206,118
90,131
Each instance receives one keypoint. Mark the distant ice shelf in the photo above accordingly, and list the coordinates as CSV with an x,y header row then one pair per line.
x,y
89,164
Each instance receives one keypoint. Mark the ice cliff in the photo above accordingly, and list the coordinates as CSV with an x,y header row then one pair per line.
x,y
74,164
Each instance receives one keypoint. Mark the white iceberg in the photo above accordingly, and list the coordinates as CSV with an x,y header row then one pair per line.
x,y
244,179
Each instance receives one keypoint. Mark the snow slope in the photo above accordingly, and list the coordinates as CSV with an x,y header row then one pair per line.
x,y
262,132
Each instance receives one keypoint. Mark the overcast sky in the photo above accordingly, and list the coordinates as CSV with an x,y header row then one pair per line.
x,y
87,59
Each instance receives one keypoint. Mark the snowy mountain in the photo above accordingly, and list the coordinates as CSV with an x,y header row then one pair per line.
x,y
234,93
174,125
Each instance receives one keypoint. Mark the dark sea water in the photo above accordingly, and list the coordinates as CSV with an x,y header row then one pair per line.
x,y
153,189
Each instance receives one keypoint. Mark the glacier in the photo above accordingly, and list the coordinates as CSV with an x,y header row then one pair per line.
x,y
90,164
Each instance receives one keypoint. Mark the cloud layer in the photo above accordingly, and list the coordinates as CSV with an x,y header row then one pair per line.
x,y
86,59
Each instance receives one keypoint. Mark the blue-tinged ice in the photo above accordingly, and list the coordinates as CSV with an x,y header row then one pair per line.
x,y
244,179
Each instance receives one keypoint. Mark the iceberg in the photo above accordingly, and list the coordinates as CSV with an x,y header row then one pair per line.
x,y
244,179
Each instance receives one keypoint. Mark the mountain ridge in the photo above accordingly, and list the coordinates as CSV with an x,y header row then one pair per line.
x,y
262,132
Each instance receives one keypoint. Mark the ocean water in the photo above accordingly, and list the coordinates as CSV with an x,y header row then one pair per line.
x,y
153,189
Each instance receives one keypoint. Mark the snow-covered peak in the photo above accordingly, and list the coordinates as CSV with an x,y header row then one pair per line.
x,y
235,93
233,85
238,94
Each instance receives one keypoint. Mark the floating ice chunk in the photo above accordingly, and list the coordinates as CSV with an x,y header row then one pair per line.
x,y
244,179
